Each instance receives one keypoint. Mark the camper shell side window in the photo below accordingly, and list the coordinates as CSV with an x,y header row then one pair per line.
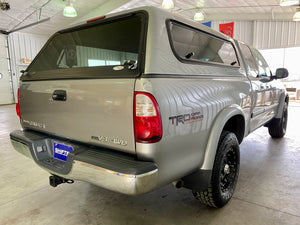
x,y
191,45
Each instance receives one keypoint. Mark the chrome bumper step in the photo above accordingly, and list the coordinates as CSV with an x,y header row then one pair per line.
x,y
106,168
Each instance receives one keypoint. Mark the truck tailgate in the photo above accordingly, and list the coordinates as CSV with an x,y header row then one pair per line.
x,y
95,111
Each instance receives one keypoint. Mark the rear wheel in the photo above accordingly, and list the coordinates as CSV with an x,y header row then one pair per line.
x,y
277,127
224,174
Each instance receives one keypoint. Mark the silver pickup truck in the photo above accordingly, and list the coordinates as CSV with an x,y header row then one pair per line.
x,y
139,99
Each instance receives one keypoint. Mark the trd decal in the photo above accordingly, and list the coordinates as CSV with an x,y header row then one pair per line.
x,y
186,118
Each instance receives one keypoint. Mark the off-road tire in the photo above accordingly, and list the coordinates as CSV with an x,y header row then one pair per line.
x,y
223,180
277,127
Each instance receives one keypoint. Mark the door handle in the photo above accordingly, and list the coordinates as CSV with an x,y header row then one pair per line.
x,y
59,95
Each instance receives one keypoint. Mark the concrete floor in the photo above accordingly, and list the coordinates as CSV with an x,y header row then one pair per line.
x,y
268,190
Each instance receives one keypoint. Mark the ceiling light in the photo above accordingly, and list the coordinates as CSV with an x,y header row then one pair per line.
x,y
288,2
199,16
69,11
4,6
168,4
296,16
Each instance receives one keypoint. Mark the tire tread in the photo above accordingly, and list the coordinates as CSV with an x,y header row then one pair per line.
x,y
209,197
205,197
276,126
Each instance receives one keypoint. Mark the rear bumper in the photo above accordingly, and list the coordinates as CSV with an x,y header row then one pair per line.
x,y
108,169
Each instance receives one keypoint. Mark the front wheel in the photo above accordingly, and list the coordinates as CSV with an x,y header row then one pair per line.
x,y
277,127
224,174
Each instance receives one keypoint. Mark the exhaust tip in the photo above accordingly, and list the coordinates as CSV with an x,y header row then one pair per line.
x,y
178,183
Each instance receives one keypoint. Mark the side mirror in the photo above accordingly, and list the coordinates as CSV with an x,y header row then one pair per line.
x,y
281,73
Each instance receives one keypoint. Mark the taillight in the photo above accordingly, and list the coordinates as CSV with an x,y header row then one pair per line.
x,y
147,121
18,106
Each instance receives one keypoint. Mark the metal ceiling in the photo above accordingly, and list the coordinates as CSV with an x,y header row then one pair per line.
x,y
24,12
225,9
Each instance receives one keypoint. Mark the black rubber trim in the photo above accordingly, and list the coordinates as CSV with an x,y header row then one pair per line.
x,y
196,76
101,157
115,162
26,138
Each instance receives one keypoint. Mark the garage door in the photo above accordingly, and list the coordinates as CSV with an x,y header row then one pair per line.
x,y
5,89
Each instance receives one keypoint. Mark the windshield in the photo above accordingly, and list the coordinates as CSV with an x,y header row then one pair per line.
x,y
106,49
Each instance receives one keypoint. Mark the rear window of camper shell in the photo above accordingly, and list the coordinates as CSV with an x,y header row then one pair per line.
x,y
109,48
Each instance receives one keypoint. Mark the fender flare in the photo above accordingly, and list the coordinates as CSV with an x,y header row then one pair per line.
x,y
282,98
215,133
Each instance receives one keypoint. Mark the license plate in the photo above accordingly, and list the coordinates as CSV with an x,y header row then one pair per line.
x,y
61,151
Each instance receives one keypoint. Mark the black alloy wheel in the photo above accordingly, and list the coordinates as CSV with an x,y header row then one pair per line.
x,y
224,174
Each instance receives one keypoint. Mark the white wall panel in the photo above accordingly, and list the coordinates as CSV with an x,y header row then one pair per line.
x,y
265,34
276,34
243,30
22,46
5,80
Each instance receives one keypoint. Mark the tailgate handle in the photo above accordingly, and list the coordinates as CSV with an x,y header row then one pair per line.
x,y
59,95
